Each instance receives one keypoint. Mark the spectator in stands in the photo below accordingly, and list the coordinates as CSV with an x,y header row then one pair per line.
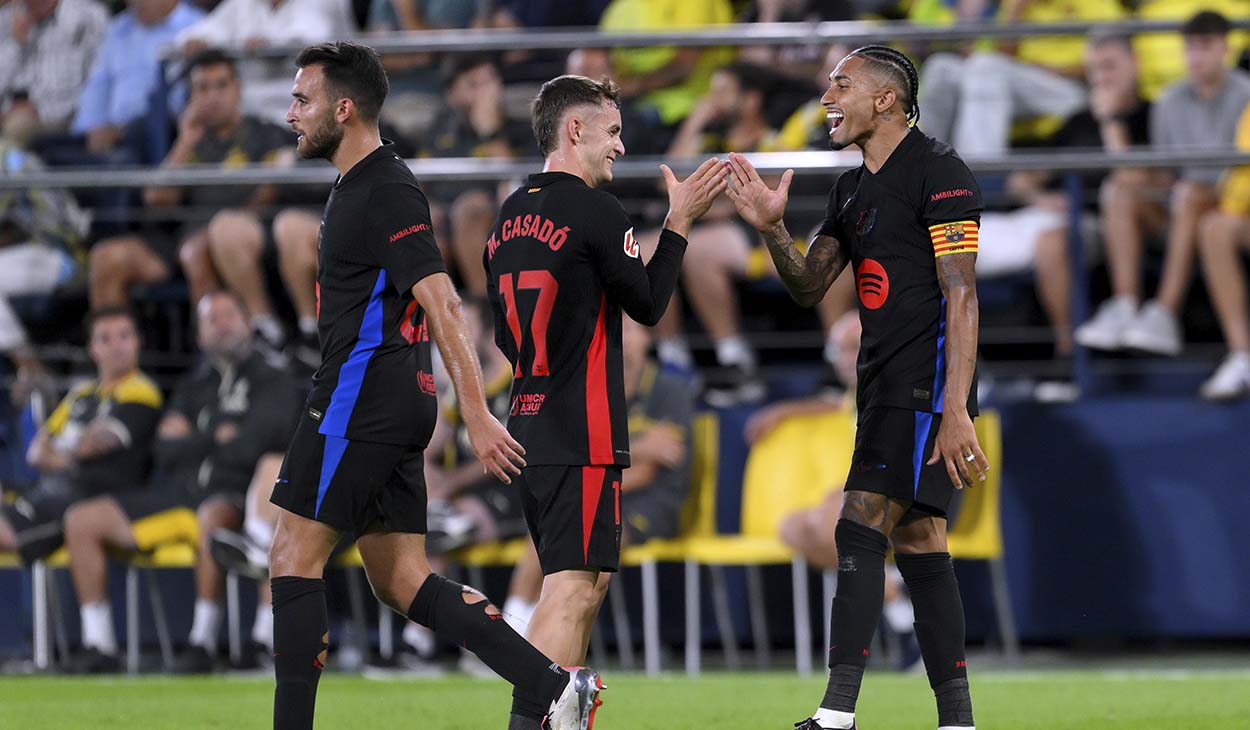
x,y
226,428
472,124
250,24
125,70
42,233
96,442
1163,54
221,242
728,118
666,82
654,487
1198,113
1224,231
46,47
972,101
1035,234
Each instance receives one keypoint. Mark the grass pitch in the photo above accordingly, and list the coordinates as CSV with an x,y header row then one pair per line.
x,y
774,701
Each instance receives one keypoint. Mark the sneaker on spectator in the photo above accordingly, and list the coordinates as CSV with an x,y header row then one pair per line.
x,y
447,528
237,552
1105,330
731,385
1230,380
1154,330
305,351
93,661
194,660
272,347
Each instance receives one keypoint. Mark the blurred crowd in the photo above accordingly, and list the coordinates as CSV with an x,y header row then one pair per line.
x,y
172,83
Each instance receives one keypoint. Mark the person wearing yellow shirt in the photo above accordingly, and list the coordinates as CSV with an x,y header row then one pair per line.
x,y
1226,232
971,101
667,81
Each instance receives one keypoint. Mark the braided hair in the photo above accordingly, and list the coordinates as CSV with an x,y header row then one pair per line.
x,y
899,68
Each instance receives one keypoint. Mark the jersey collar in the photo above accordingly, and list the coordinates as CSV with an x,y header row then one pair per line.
x,y
539,179
386,150
912,138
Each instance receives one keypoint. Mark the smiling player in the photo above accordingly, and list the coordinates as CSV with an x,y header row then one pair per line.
x,y
562,264
907,221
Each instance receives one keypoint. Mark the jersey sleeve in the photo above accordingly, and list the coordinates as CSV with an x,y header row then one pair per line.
x,y
952,207
401,236
60,415
642,291
135,412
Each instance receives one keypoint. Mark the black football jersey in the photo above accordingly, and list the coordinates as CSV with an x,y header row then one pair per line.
x,y
561,264
375,382
922,204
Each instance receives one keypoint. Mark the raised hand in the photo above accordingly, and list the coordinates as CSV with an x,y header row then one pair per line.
x,y
689,199
758,205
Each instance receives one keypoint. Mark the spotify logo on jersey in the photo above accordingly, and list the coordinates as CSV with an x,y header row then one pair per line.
x,y
873,284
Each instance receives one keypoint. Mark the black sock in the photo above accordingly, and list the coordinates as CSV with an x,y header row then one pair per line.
x,y
479,627
856,610
300,638
930,580
523,722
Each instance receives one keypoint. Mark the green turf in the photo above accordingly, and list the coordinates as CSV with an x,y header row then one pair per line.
x,y
1003,700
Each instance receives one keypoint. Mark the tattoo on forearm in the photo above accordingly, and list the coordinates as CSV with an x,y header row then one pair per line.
x,y
957,277
807,278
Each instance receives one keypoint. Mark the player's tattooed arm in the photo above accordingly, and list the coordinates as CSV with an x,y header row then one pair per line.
x,y
956,442
807,278
957,277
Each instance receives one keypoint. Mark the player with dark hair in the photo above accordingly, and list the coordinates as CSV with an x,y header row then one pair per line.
x,y
907,221
562,264
356,461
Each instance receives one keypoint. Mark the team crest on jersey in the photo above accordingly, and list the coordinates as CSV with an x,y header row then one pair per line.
x,y
954,232
867,219
631,244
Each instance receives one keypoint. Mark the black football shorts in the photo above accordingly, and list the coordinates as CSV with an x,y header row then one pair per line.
x,y
352,486
574,515
892,446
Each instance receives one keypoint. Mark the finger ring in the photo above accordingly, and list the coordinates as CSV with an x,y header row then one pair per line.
x,y
969,457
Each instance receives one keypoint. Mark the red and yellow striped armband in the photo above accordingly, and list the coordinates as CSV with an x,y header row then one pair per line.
x,y
957,237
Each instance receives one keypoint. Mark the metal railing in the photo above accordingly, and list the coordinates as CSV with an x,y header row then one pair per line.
x,y
809,162
741,34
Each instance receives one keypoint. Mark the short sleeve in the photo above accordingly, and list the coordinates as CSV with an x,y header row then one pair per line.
x,y
952,206
135,411
401,236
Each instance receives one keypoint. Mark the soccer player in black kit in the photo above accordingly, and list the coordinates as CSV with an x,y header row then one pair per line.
x,y
906,220
562,264
355,462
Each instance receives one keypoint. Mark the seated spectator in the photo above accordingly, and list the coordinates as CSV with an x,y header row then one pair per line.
x,y
41,248
654,487
96,442
728,118
222,241
227,426
972,101
46,47
1163,54
1034,235
125,72
1224,232
665,82
472,124
1198,113
249,24
809,532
